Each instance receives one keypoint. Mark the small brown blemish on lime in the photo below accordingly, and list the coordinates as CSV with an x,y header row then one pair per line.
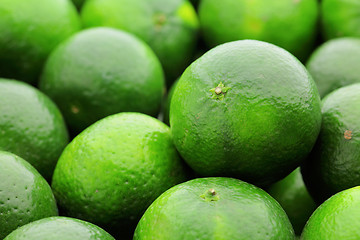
x,y
348,134
160,20
218,90
74,109
212,191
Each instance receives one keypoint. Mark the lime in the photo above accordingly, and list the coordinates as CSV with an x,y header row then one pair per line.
x,y
214,209
340,18
166,105
245,109
31,126
59,228
333,164
111,172
25,196
288,24
293,196
103,71
169,27
335,64
337,218
29,31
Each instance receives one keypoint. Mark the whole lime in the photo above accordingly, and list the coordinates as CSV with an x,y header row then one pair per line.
x,y
245,109
25,196
214,208
29,31
337,218
333,164
335,64
103,71
288,24
293,196
111,172
169,27
31,126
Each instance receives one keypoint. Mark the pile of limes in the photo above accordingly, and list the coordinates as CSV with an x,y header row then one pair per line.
x,y
179,119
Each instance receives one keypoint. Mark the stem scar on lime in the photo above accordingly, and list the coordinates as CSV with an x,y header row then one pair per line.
x,y
348,134
210,195
219,91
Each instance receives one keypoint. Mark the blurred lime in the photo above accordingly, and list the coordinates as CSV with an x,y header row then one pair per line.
x,y
103,71
29,31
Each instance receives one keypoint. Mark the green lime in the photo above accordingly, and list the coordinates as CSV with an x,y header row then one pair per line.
x,y
293,196
340,18
103,71
25,196
245,109
333,164
111,172
289,24
213,209
337,218
169,27
31,126
29,31
335,64
166,105
59,228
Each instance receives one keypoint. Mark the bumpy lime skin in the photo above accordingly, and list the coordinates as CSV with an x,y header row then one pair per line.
x,y
31,126
340,18
238,210
337,218
103,71
170,27
333,164
264,126
25,196
293,196
59,228
335,64
111,172
288,24
29,31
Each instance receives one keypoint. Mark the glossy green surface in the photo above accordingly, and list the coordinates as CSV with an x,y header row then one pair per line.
x,y
31,126
29,31
335,64
337,218
103,71
263,126
111,172
25,196
333,165
288,24
340,18
166,104
295,199
59,228
169,27
214,209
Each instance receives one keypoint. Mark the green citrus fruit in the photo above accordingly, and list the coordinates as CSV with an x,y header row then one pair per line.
x,y
168,26
103,71
340,18
25,196
333,164
111,172
337,218
31,126
288,24
293,196
214,209
166,106
59,228
335,64
29,31
245,109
